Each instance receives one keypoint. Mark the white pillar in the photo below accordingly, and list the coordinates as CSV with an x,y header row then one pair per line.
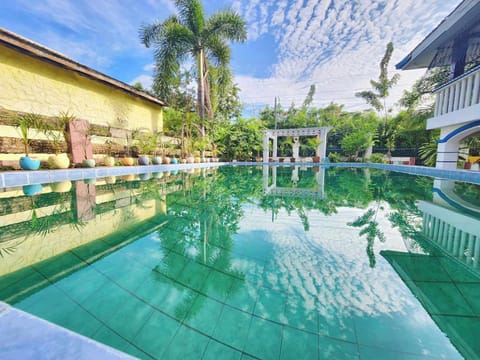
x,y
447,154
320,177
265,147
322,146
296,147
275,144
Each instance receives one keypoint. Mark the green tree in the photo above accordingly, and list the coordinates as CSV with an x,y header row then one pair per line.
x,y
190,34
378,97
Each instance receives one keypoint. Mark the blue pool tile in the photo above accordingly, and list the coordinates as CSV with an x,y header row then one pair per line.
x,y
216,350
264,339
336,325
242,295
444,298
187,344
130,317
232,327
204,314
337,349
271,305
107,336
298,344
156,335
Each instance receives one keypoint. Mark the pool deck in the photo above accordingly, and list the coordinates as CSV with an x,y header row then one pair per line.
x,y
20,178
25,336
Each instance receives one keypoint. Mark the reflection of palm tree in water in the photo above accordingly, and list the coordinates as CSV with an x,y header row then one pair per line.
x,y
199,233
371,230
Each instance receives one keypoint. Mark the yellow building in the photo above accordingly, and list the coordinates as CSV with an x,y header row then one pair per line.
x,y
35,79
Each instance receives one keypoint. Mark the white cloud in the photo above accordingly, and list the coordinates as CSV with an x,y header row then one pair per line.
x,y
335,45
145,80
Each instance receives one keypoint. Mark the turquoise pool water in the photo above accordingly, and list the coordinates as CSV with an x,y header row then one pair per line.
x,y
252,262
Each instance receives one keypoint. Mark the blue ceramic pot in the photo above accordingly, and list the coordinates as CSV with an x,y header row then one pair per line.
x,y
145,176
31,190
27,163
174,161
143,160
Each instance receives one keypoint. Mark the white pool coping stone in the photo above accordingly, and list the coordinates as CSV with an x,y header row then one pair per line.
x,y
24,336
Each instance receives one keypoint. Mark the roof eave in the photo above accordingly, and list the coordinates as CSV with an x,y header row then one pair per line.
x,y
42,53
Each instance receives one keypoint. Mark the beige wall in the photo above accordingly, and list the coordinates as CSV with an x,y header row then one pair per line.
x,y
30,85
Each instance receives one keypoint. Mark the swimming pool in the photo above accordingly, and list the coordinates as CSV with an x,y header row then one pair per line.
x,y
262,262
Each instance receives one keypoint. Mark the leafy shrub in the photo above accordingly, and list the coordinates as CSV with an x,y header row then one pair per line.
x,y
377,158
334,157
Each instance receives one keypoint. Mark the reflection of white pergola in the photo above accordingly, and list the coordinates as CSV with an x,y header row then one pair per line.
x,y
319,132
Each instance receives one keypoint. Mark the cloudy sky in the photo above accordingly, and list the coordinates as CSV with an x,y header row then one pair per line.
x,y
334,44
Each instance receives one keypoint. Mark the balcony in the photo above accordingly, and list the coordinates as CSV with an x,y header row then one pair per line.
x,y
458,101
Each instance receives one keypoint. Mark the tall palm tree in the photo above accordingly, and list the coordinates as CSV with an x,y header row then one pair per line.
x,y
190,34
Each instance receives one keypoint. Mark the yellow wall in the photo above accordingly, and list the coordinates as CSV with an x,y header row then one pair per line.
x,y
32,249
30,85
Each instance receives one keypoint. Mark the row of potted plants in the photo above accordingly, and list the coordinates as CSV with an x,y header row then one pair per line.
x,y
56,131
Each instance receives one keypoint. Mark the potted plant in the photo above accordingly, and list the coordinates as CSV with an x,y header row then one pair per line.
x,y
109,160
157,159
146,144
25,123
55,131
128,160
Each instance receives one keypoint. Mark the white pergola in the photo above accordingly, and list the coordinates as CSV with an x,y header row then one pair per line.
x,y
319,132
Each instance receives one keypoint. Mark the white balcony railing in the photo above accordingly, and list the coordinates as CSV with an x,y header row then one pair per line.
x,y
458,94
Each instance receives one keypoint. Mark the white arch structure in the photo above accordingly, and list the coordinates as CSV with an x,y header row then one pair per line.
x,y
319,132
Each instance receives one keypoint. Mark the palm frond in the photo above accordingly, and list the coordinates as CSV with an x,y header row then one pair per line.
x,y
218,51
227,25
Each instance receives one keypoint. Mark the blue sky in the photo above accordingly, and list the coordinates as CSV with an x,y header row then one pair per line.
x,y
292,44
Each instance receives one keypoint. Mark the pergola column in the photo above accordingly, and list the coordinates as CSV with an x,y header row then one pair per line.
x,y
275,145
322,146
266,138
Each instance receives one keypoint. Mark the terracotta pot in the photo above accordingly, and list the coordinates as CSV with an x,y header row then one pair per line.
x,y
166,160
127,161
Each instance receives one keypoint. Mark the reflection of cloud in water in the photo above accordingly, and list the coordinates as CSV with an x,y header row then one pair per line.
x,y
327,268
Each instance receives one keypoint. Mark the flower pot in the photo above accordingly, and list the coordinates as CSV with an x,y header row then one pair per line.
x,y
143,160
196,159
62,187
60,161
88,163
145,176
166,160
157,160
316,159
27,163
183,161
174,160
110,179
130,177
31,190
190,159
127,161
109,161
